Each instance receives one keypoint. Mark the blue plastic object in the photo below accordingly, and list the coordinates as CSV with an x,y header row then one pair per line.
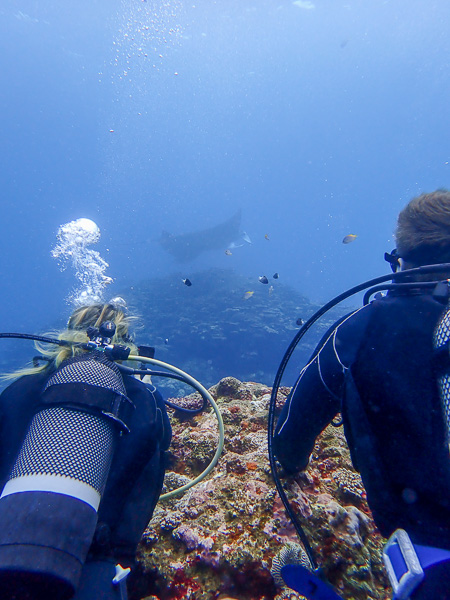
x,y
402,564
306,583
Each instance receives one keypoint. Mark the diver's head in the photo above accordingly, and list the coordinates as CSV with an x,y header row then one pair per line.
x,y
93,315
423,230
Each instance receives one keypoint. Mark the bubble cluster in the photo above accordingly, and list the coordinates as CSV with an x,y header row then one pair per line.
x,y
72,248
145,33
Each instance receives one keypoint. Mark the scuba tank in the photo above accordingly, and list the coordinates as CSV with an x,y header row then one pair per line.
x,y
442,344
48,507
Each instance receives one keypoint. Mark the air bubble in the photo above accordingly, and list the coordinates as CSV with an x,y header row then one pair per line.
x,y
72,248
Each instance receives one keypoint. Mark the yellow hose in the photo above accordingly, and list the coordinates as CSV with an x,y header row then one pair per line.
x,y
207,396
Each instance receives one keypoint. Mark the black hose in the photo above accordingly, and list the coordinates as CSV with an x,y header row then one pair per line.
x,y
188,411
392,286
39,338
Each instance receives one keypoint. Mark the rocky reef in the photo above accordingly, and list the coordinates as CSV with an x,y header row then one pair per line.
x,y
219,539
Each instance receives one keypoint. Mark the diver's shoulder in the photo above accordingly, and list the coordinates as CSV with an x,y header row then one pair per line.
x,y
27,386
355,316
352,326
30,380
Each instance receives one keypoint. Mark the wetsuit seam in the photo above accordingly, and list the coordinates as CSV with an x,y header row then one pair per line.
x,y
316,357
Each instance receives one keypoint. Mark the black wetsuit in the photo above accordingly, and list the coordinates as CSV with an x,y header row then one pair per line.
x,y
377,367
137,471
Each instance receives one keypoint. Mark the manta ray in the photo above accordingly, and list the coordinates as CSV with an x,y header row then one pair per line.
x,y
187,246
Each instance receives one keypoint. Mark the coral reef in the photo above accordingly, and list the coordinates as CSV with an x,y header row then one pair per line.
x,y
219,539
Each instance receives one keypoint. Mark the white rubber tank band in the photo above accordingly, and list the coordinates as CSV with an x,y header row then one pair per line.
x,y
58,484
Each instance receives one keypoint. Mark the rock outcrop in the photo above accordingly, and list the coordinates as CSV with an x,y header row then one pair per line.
x,y
218,540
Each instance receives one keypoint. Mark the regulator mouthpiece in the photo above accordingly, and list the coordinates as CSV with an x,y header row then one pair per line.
x,y
102,336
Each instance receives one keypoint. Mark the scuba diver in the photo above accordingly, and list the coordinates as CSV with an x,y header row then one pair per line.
x,y
73,432
379,368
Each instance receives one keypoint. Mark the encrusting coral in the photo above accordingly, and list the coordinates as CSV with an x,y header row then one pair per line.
x,y
219,539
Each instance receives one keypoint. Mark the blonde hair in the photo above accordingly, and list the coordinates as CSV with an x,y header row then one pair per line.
x,y
423,229
82,318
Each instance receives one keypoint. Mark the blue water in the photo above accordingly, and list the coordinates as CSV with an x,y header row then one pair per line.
x,y
317,119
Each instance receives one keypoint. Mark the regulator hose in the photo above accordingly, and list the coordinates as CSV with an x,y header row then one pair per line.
x,y
205,395
40,338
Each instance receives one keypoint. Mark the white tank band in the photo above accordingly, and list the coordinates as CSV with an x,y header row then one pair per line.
x,y
58,484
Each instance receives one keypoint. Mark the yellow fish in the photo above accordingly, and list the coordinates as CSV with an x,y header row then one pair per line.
x,y
267,236
351,237
247,295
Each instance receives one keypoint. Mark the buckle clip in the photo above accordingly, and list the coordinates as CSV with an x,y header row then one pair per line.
x,y
121,574
409,579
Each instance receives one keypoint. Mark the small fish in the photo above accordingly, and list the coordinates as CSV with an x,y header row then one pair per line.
x,y
271,290
275,275
263,279
299,322
187,282
267,236
166,341
247,295
351,237
228,252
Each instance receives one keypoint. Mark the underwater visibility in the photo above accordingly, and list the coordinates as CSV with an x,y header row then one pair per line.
x,y
225,339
